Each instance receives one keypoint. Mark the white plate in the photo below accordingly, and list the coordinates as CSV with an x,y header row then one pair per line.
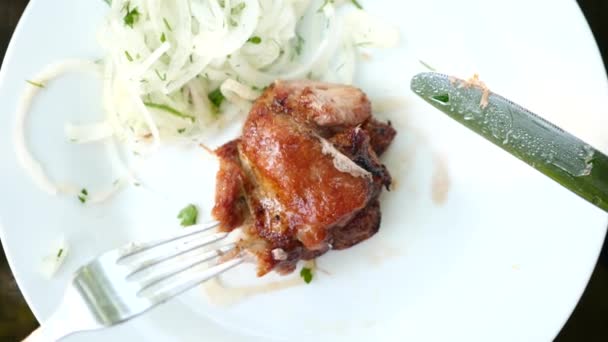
x,y
505,258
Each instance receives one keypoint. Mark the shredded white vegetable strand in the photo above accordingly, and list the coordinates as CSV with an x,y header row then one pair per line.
x,y
175,67
176,71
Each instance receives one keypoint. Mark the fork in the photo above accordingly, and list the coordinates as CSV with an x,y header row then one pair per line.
x,y
128,281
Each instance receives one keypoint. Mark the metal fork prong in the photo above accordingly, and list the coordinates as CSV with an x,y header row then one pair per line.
x,y
187,280
174,269
132,250
142,265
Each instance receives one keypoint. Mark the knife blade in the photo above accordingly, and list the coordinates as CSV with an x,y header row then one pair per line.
x,y
546,147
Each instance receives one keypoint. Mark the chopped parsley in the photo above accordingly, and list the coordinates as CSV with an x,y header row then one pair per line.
x,y
169,110
216,97
188,215
357,4
83,196
181,130
254,40
236,10
167,25
132,15
306,274
109,2
162,77
35,84
59,253
163,38
128,55
443,98
299,44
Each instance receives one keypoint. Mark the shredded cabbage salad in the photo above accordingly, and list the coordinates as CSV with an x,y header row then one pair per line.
x,y
178,70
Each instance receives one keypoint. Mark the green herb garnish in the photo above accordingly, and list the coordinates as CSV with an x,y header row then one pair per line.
x,y
128,56
236,10
83,195
59,253
357,4
169,110
188,215
163,38
306,274
181,130
216,97
254,40
35,84
162,77
167,24
132,16
299,44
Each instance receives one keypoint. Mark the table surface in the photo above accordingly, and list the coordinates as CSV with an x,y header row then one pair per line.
x,y
589,322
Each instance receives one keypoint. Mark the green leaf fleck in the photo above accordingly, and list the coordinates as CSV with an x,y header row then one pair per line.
x,y
306,274
128,55
169,110
181,130
167,25
254,40
83,196
162,77
59,253
236,10
163,38
299,44
216,97
35,84
131,17
188,215
357,4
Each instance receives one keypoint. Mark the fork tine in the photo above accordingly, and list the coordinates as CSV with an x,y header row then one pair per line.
x,y
173,286
178,266
177,250
133,249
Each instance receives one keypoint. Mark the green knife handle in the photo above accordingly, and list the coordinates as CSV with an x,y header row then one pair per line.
x,y
556,153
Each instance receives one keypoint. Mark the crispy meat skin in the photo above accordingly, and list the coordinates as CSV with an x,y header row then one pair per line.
x,y
230,206
282,185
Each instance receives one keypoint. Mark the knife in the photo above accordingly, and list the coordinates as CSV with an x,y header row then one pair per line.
x,y
556,153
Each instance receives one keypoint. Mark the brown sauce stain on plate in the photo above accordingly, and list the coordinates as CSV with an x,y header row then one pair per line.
x,y
440,187
221,294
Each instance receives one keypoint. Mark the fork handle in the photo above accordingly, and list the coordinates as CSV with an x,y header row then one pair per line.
x,y
52,330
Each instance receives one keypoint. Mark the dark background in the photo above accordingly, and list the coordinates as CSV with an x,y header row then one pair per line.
x,y
589,322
